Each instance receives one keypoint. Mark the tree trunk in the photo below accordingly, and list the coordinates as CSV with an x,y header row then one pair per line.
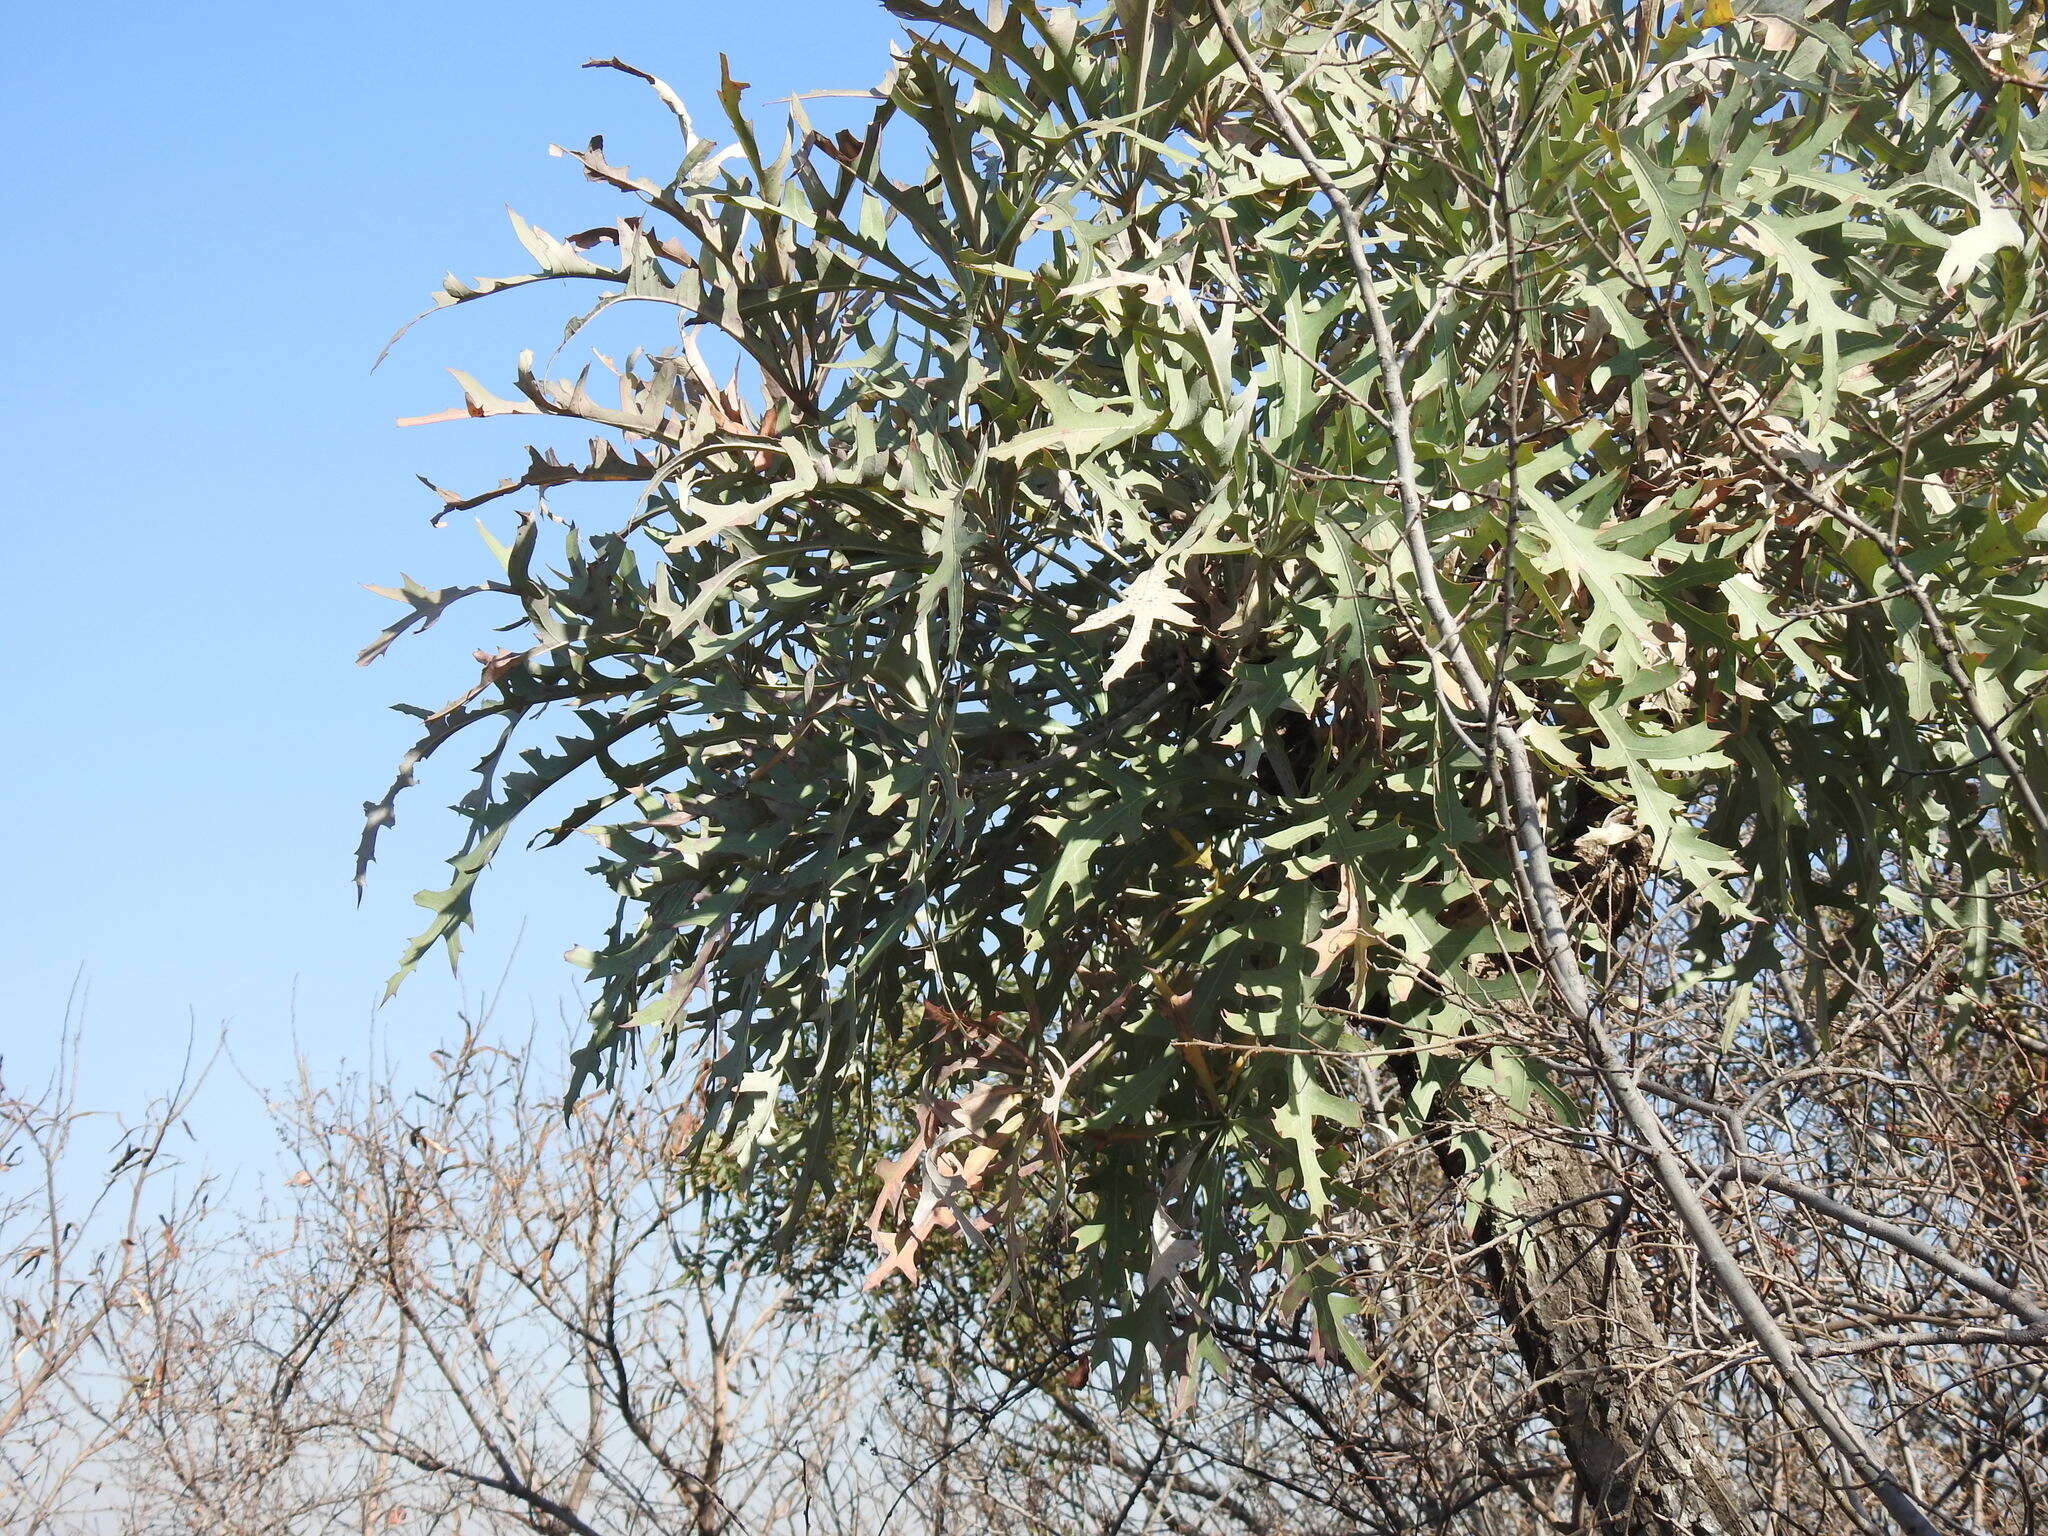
x,y
1585,1329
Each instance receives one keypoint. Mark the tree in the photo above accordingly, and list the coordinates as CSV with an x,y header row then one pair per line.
x,y
91,1218
469,1316
1278,584
461,1313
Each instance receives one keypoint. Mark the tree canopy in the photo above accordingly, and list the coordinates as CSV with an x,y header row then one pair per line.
x,y
1209,588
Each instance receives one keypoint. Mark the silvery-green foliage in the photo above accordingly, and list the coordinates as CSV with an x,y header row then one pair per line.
x,y
1011,683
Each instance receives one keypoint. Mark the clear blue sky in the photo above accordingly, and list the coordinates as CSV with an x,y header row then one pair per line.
x,y
221,210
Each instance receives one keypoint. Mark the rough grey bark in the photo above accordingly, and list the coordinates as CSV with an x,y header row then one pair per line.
x,y
1584,1325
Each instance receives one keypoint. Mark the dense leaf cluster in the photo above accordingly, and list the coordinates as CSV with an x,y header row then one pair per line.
x,y
1018,748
